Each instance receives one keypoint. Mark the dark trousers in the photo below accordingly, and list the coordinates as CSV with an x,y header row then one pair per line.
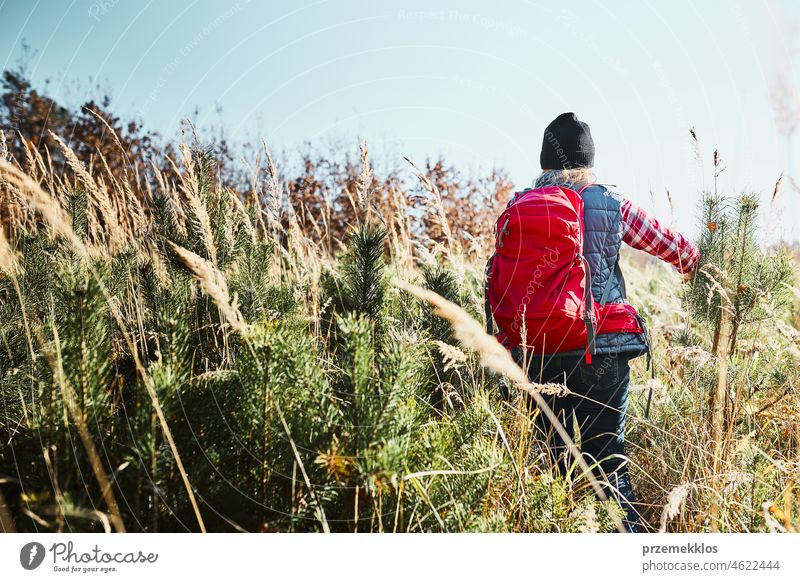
x,y
598,404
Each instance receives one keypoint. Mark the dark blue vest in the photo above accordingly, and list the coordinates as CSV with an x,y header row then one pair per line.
x,y
602,219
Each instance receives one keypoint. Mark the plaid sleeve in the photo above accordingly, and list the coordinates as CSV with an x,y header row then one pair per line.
x,y
644,233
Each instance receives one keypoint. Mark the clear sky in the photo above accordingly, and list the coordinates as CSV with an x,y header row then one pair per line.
x,y
474,80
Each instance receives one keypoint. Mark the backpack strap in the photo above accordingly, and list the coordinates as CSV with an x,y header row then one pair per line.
x,y
487,308
615,274
621,279
650,363
588,315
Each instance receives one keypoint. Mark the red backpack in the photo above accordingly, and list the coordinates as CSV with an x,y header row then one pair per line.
x,y
538,283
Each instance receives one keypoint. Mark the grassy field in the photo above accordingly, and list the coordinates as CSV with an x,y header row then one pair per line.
x,y
184,357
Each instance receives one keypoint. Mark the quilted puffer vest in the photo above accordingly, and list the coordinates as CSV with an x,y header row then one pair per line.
x,y
602,221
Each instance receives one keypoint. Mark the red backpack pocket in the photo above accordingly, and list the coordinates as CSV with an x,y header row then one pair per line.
x,y
617,317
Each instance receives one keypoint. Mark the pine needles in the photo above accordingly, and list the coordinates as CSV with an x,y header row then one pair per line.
x,y
211,365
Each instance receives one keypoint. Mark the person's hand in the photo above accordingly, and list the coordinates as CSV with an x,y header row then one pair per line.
x,y
687,277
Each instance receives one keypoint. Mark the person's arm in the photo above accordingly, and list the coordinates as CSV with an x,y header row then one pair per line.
x,y
644,233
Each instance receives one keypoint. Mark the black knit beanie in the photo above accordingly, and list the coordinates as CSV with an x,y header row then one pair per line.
x,y
567,144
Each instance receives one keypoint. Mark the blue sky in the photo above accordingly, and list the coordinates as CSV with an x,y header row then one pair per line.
x,y
476,81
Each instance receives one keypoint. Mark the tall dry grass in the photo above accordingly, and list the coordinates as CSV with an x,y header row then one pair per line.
x,y
692,473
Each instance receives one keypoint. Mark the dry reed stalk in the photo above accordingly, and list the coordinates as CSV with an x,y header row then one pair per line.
x,y
305,257
777,189
719,401
698,156
159,412
56,218
113,133
4,154
715,285
8,259
126,203
74,411
718,166
452,357
671,206
151,392
190,187
174,201
230,208
238,206
255,180
59,495
31,166
213,284
323,232
672,507
495,357
115,183
103,216
438,205
54,179
405,251
37,200
320,510
364,185
274,196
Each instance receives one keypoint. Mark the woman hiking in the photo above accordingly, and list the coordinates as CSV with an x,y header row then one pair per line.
x,y
557,293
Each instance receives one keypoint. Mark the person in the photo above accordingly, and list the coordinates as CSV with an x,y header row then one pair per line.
x,y
598,398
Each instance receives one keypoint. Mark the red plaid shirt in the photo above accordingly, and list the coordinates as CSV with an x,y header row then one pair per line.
x,y
644,233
